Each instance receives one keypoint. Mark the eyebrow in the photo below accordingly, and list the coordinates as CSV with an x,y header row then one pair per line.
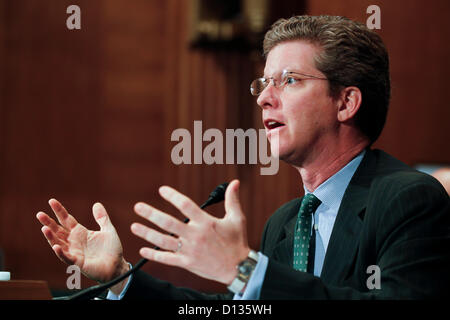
x,y
308,74
298,72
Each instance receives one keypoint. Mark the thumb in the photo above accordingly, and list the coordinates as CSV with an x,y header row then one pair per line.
x,y
101,216
232,204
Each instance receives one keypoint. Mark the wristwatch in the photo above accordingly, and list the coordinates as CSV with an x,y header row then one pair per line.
x,y
245,270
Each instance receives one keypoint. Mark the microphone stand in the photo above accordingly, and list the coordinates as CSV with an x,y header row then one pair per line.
x,y
216,196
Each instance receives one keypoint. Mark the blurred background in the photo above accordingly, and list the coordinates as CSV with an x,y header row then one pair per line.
x,y
87,115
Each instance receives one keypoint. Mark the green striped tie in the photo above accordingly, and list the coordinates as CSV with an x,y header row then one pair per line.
x,y
303,231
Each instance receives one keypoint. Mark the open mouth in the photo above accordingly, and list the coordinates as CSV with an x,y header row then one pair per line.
x,y
272,124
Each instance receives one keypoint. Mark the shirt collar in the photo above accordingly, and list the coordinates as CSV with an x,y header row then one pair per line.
x,y
332,190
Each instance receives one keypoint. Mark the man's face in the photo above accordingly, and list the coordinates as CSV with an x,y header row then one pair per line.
x,y
303,107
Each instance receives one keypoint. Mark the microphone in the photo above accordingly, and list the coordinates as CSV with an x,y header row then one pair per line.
x,y
216,196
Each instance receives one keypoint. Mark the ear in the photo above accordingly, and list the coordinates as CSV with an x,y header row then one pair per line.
x,y
350,101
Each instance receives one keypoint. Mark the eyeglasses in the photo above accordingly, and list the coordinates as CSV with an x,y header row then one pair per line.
x,y
286,79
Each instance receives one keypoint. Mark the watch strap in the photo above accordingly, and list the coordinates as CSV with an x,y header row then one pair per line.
x,y
239,283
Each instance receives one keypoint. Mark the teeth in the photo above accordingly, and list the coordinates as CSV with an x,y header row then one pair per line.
x,y
273,124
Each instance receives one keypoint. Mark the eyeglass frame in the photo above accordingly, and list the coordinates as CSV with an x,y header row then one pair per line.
x,y
282,84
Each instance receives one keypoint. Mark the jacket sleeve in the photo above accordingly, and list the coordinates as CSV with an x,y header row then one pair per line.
x,y
146,287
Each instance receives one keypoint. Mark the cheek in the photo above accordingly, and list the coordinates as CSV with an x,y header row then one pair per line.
x,y
311,112
301,113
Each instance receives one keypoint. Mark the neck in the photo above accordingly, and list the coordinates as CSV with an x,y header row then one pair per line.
x,y
324,166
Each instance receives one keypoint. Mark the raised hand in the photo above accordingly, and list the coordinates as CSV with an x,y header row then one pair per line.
x,y
207,246
98,254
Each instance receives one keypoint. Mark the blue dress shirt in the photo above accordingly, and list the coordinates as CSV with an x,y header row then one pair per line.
x,y
113,296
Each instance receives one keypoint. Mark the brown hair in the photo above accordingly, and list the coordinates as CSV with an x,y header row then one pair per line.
x,y
352,55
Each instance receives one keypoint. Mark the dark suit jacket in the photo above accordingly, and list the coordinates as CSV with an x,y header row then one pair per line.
x,y
391,216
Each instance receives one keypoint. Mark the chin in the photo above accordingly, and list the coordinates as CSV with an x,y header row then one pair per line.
x,y
277,150
281,153
291,156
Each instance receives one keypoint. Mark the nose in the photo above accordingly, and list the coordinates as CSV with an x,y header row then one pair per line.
x,y
268,98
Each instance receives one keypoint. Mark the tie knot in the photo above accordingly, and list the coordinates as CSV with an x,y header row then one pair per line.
x,y
309,204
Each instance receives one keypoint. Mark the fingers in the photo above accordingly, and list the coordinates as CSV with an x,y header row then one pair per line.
x,y
165,257
232,203
163,241
53,232
45,220
186,206
51,236
56,234
64,218
161,219
55,241
101,216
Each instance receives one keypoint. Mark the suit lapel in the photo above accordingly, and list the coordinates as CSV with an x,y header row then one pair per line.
x,y
345,235
283,250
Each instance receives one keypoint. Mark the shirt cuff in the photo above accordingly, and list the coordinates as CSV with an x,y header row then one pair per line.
x,y
112,296
254,285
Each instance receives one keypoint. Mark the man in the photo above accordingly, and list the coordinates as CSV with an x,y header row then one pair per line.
x,y
324,99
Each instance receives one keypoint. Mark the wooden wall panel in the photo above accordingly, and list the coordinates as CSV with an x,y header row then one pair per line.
x,y
49,104
83,119
415,33
2,75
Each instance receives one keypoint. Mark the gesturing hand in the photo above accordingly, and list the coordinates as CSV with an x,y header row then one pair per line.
x,y
207,246
98,254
